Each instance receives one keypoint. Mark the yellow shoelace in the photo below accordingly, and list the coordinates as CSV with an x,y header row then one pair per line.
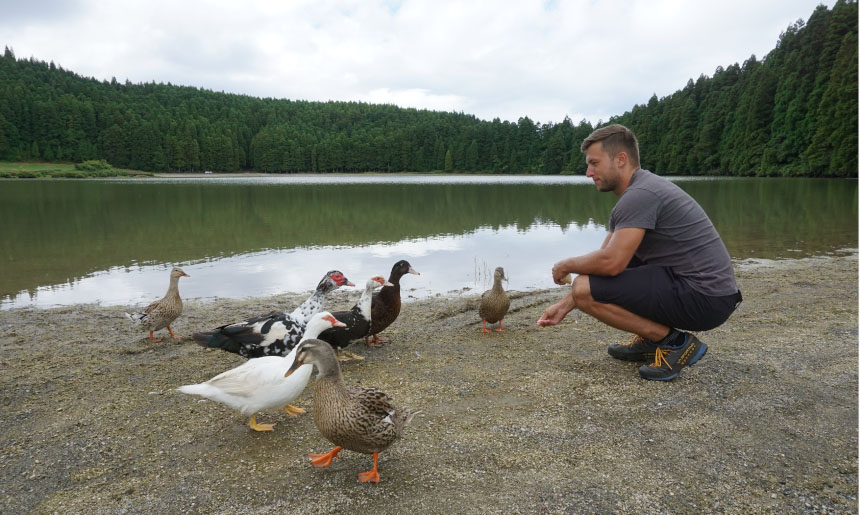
x,y
660,355
633,341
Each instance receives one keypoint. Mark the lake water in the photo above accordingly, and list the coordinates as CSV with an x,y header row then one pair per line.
x,y
112,242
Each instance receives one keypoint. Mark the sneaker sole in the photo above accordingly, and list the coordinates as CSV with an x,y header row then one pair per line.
x,y
692,362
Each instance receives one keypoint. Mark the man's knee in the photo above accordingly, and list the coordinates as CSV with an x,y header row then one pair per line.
x,y
582,290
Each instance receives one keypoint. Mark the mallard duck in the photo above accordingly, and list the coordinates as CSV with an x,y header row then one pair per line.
x,y
262,383
385,306
275,333
494,302
351,417
163,312
357,321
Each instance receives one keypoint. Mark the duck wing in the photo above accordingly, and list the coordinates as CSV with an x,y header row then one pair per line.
x,y
153,307
372,401
357,326
384,308
272,334
252,377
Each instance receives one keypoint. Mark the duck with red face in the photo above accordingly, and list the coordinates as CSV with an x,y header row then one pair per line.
x,y
275,333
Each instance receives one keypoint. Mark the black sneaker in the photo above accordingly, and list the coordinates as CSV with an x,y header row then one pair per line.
x,y
668,361
637,349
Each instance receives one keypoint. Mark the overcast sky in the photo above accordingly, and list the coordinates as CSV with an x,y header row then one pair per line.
x,y
546,60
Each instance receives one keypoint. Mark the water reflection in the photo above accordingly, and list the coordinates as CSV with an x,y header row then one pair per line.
x,y
67,242
448,264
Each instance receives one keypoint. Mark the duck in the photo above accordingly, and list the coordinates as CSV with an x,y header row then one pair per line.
x,y
275,333
357,321
262,383
494,302
385,306
164,311
351,417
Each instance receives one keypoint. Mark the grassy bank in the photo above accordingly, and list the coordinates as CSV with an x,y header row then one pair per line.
x,y
30,170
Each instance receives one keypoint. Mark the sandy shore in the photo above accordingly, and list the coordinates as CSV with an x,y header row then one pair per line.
x,y
531,420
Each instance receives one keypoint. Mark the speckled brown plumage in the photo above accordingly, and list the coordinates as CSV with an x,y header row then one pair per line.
x,y
162,312
356,418
495,301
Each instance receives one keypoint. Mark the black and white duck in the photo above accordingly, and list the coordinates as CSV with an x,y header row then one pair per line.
x,y
494,302
357,321
162,312
275,333
385,306
351,417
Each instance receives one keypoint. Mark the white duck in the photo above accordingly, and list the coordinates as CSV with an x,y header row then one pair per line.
x,y
259,383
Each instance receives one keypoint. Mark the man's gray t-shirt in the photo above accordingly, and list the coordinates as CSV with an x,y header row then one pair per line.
x,y
678,233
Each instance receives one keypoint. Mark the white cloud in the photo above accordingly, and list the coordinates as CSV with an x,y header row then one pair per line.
x,y
546,60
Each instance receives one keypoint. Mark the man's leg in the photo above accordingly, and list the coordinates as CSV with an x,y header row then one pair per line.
x,y
615,315
673,349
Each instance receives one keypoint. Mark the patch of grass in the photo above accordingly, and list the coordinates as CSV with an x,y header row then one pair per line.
x,y
32,170
87,169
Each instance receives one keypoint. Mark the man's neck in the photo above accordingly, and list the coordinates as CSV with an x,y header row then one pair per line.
x,y
625,177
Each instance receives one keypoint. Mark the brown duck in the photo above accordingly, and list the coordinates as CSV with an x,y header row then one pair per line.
x,y
494,302
351,417
163,312
385,306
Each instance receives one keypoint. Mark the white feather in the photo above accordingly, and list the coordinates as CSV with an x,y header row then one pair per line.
x,y
259,383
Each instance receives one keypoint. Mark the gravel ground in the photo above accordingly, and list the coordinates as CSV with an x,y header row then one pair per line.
x,y
531,420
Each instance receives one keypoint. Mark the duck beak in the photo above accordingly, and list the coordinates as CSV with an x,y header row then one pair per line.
x,y
185,275
413,271
295,366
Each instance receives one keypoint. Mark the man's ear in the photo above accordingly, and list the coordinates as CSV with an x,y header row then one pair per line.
x,y
621,159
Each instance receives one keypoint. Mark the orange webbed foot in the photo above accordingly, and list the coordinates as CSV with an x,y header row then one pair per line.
x,y
154,340
484,328
324,460
259,427
372,474
376,343
293,410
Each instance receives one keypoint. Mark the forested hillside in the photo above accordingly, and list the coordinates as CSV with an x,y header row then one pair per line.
x,y
794,112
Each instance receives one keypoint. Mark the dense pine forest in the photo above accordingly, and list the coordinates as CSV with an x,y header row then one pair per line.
x,y
792,112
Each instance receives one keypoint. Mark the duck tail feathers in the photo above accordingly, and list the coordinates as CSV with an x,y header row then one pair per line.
x,y
404,417
216,340
193,389
135,317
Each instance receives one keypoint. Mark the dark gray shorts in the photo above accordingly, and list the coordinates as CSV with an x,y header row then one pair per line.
x,y
656,293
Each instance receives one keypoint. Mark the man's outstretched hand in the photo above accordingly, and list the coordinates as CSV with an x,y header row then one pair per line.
x,y
553,315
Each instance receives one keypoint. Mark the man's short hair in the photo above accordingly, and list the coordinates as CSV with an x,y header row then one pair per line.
x,y
615,138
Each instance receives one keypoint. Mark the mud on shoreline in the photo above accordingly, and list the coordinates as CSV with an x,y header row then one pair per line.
x,y
531,420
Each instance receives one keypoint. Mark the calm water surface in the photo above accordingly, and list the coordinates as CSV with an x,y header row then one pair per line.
x,y
112,242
